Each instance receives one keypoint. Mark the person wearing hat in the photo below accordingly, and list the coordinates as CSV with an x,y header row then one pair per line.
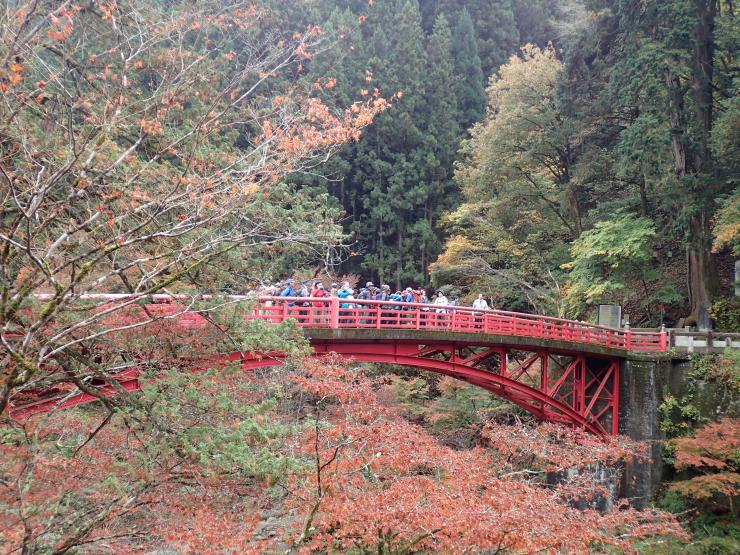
x,y
365,294
397,298
289,290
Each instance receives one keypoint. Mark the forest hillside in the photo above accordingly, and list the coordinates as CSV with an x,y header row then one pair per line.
x,y
187,185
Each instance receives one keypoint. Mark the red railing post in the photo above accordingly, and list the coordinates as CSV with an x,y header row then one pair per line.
x,y
285,311
663,338
377,316
628,337
333,313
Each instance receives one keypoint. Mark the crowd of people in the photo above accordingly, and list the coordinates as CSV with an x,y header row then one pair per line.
x,y
316,289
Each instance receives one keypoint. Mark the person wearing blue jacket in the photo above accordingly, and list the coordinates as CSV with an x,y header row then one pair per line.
x,y
343,294
289,291
396,298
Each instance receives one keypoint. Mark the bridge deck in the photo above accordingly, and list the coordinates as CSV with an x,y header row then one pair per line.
x,y
429,336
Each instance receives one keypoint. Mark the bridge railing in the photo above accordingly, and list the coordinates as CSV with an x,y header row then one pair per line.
x,y
355,313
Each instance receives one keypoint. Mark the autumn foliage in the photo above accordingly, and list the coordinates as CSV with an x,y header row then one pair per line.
x,y
145,148
712,456
381,481
203,462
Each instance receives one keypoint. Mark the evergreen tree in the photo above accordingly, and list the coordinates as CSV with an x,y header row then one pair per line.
x,y
384,180
668,63
429,10
441,98
471,95
442,135
534,21
495,28
498,36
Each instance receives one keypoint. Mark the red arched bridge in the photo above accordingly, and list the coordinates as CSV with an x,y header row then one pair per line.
x,y
560,370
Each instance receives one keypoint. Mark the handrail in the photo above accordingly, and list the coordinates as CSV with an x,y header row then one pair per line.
x,y
333,312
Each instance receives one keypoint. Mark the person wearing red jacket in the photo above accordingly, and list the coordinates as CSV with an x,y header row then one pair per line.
x,y
319,292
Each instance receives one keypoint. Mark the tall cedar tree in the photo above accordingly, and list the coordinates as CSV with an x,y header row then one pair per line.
x,y
442,134
498,36
471,96
395,182
495,28
394,153
670,50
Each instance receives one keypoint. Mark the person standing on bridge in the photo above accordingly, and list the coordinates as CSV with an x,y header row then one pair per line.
x,y
441,300
479,304
318,292
344,293
365,294
441,313
289,291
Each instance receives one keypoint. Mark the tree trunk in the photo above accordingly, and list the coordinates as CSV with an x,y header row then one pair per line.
x,y
424,243
701,274
702,77
702,277
676,119
575,209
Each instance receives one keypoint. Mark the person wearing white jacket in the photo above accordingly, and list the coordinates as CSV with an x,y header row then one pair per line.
x,y
480,303
442,301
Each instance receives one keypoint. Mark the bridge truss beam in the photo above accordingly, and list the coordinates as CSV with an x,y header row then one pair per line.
x,y
572,389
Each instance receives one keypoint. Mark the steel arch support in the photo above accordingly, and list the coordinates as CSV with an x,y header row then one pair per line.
x,y
583,393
